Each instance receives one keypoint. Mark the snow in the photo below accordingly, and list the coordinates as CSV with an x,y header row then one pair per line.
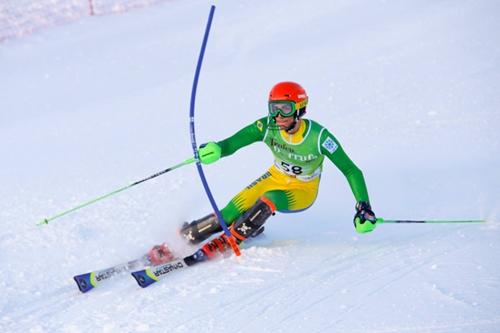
x,y
409,88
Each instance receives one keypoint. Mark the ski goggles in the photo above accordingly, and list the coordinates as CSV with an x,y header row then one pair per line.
x,y
285,108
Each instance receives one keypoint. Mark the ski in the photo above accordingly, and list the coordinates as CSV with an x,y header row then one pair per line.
x,y
89,281
149,275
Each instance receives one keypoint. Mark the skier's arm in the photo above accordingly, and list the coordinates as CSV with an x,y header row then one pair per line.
x,y
364,219
247,135
333,150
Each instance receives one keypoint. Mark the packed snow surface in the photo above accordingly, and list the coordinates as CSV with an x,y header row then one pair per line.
x,y
410,89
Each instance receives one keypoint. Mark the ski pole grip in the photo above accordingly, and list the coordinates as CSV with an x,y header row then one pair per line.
x,y
234,245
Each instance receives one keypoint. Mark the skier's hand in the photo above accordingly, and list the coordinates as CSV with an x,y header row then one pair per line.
x,y
209,153
364,220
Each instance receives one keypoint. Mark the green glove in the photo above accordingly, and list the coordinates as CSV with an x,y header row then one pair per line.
x,y
209,153
364,220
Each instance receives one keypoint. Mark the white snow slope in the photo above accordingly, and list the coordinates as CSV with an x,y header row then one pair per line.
x,y
410,88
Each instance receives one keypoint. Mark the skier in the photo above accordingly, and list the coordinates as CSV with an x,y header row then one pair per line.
x,y
291,184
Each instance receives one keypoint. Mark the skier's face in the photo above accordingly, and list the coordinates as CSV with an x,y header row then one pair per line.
x,y
283,122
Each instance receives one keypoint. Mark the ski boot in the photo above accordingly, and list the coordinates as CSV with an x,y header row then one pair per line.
x,y
210,250
199,230
251,223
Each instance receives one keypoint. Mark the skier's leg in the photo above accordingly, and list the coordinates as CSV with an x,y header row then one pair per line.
x,y
270,193
201,229
247,197
252,221
287,195
294,195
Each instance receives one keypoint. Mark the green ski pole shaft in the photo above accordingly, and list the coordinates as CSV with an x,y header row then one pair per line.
x,y
380,220
88,203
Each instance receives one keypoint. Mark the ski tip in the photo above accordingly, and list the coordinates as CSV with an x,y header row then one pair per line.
x,y
84,282
143,278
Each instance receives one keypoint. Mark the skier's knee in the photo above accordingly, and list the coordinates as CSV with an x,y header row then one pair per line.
x,y
279,198
251,222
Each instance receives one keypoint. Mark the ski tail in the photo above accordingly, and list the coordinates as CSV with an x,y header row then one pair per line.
x,y
85,282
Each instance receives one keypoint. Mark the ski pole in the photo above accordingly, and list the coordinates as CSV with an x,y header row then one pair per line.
x,y
381,220
88,203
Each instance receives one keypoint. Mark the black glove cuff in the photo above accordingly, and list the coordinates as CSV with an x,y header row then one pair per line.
x,y
364,212
363,205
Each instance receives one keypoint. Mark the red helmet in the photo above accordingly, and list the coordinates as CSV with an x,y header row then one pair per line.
x,y
289,91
